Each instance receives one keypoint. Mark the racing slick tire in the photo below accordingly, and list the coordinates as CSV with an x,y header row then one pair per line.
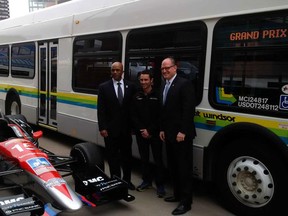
x,y
18,116
87,154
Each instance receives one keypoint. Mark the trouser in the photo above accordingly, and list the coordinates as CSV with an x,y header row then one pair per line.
x,y
180,165
119,154
148,173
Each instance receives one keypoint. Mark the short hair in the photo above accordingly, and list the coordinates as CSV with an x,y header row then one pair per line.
x,y
172,59
146,72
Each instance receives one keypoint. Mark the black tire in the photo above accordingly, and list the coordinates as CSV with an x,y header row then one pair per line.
x,y
87,154
13,105
251,178
18,116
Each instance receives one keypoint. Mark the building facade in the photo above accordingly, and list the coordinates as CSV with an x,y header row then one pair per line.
x,y
39,4
4,9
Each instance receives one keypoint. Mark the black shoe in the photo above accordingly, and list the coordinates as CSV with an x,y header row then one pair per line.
x,y
130,186
171,199
181,209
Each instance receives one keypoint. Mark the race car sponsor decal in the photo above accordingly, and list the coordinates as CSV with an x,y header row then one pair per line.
x,y
93,180
54,182
40,165
18,204
11,199
109,184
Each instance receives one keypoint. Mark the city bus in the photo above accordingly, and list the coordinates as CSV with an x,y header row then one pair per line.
x,y
234,52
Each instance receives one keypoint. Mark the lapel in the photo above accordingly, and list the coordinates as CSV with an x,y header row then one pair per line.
x,y
126,89
113,93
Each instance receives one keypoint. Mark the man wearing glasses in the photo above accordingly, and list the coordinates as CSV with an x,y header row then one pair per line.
x,y
177,130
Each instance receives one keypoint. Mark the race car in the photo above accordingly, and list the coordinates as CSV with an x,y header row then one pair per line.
x,y
37,175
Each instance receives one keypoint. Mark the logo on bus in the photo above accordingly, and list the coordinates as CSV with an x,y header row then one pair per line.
x,y
283,104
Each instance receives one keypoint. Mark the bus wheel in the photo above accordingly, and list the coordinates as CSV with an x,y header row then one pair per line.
x,y
13,105
251,178
87,154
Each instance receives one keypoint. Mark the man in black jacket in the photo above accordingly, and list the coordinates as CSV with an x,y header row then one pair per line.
x,y
145,117
114,100
177,130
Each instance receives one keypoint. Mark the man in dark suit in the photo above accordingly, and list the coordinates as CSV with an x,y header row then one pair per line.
x,y
177,130
114,100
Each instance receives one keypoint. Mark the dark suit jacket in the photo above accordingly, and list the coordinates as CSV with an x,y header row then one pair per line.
x,y
178,111
112,116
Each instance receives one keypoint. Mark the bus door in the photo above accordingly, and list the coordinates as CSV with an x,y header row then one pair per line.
x,y
48,55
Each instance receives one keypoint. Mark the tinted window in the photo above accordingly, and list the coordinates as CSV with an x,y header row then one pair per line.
x,y
23,60
186,42
93,56
4,60
249,70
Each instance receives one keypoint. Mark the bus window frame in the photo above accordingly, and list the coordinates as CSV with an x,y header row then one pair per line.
x,y
180,54
34,59
214,75
8,61
113,55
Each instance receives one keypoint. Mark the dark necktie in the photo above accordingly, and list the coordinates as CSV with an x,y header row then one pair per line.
x,y
120,93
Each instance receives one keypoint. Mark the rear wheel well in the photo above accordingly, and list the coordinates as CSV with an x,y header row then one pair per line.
x,y
244,131
246,161
13,103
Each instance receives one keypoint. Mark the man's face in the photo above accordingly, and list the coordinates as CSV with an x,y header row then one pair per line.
x,y
117,71
168,69
145,81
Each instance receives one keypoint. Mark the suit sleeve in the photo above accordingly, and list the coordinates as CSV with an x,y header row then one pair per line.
x,y
188,108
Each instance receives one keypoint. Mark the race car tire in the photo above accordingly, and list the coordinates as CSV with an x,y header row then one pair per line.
x,y
87,154
18,116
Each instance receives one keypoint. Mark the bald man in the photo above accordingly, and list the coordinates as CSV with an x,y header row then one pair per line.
x,y
113,106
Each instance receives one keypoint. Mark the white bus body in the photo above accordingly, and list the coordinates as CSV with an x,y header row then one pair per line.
x,y
52,61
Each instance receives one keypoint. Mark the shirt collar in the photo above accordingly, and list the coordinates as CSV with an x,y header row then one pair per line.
x,y
115,81
172,79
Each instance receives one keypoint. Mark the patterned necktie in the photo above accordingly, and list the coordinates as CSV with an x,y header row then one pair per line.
x,y
165,91
120,93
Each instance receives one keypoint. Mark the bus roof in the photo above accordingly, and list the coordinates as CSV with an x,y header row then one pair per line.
x,y
89,16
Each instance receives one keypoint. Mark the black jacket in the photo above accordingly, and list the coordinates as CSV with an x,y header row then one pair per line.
x,y
111,115
145,112
177,114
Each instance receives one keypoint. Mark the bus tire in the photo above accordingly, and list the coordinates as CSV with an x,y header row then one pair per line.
x,y
251,178
87,154
13,105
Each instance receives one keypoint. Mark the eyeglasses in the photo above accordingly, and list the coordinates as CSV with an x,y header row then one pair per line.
x,y
167,68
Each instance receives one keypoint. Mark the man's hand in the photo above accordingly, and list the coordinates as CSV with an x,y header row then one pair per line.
x,y
162,136
145,134
180,137
104,133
